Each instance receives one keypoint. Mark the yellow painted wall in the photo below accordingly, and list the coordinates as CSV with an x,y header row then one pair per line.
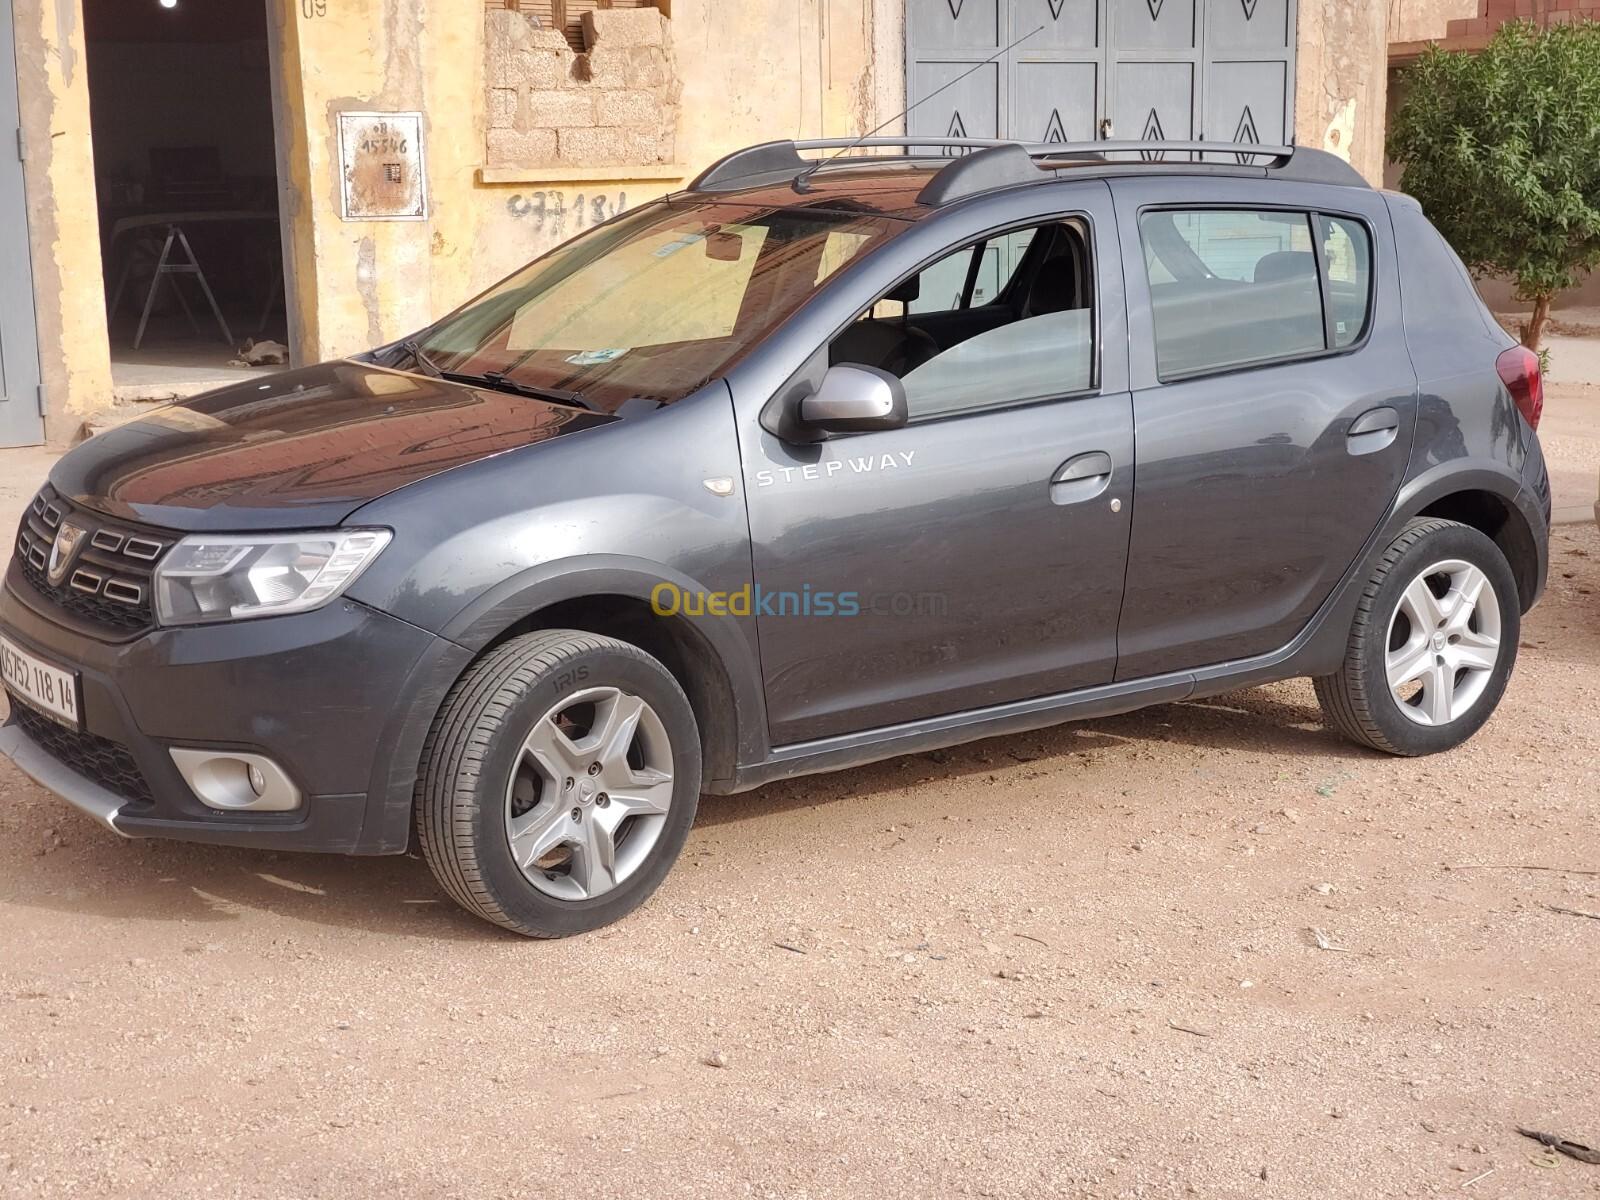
x,y
53,86
751,71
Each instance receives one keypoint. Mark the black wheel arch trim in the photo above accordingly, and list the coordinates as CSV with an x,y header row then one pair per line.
x,y
479,625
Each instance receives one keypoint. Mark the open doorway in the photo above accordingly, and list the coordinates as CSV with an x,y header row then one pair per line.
x,y
186,174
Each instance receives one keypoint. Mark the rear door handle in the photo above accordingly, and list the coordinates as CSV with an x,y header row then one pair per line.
x,y
1081,478
1374,430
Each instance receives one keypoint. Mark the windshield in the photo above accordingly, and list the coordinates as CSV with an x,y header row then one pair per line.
x,y
653,305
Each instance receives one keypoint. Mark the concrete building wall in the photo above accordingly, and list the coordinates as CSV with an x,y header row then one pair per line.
x,y
1425,20
63,224
1343,79
747,71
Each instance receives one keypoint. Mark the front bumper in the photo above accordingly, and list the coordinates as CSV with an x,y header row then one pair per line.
x,y
339,697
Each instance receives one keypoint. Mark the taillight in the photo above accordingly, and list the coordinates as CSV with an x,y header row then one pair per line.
x,y
1519,369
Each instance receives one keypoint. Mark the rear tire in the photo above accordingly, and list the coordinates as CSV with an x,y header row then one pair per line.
x,y
1433,643
558,783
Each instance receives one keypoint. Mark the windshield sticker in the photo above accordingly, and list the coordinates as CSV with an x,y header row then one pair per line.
x,y
672,247
593,358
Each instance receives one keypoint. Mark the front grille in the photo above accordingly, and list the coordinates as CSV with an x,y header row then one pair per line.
x,y
106,762
108,579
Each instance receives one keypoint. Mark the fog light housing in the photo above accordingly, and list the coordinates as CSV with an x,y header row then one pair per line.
x,y
232,781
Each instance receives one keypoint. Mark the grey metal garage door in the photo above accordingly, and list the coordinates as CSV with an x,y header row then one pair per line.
x,y
1176,70
20,422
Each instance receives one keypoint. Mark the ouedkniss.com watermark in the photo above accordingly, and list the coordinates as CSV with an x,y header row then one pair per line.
x,y
670,600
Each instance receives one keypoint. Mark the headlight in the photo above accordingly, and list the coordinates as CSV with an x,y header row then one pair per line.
x,y
226,577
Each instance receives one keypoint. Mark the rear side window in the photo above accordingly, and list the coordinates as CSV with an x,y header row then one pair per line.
x,y
1233,288
1348,248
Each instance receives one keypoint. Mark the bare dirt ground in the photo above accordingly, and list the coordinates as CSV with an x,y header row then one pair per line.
x,y
1076,963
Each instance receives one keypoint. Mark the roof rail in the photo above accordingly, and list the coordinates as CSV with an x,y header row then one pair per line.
x,y
983,164
770,158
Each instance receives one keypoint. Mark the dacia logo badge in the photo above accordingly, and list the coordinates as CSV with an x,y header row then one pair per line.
x,y
64,550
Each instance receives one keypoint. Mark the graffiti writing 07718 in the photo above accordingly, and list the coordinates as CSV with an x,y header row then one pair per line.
x,y
549,212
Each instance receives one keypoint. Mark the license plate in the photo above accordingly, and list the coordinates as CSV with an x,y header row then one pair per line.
x,y
34,681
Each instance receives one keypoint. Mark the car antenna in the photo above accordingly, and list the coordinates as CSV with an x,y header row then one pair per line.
x,y
802,181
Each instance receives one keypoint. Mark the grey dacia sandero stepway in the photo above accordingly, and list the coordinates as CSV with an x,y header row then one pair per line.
x,y
817,462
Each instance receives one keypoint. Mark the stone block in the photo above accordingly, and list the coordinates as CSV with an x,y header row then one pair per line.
x,y
502,107
503,64
590,147
636,110
604,68
647,146
648,67
616,28
561,108
509,28
546,70
552,40
521,147
510,68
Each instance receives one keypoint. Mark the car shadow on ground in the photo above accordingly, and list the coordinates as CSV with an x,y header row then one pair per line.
x,y
94,874
1250,720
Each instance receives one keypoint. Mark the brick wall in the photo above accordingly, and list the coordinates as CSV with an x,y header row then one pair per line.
x,y
1545,12
614,103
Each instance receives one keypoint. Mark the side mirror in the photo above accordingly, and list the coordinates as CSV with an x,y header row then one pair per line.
x,y
856,399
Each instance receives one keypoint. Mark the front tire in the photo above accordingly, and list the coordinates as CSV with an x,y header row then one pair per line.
x,y
558,783
1432,646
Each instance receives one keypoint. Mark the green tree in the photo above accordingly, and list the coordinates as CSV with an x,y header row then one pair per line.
x,y
1502,148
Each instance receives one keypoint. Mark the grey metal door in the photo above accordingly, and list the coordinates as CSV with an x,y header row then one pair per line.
x,y
20,422
1172,70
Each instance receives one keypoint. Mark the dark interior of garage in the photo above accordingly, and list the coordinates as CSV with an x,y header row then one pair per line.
x,y
186,179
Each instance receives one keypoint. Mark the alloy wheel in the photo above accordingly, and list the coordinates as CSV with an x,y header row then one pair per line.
x,y
1444,643
589,794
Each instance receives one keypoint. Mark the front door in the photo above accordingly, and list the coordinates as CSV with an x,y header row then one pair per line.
x,y
1275,404
20,421
976,556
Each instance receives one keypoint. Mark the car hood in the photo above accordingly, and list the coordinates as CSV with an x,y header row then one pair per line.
x,y
302,450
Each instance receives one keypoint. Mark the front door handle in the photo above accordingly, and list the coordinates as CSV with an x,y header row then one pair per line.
x,y
1374,430
1081,478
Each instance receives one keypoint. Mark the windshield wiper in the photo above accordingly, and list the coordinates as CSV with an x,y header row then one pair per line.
x,y
497,381
427,365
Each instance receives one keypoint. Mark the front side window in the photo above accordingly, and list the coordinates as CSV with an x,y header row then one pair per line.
x,y
653,305
971,277
1234,288
1030,337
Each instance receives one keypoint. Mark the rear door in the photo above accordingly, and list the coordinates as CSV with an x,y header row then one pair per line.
x,y
20,421
1274,408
